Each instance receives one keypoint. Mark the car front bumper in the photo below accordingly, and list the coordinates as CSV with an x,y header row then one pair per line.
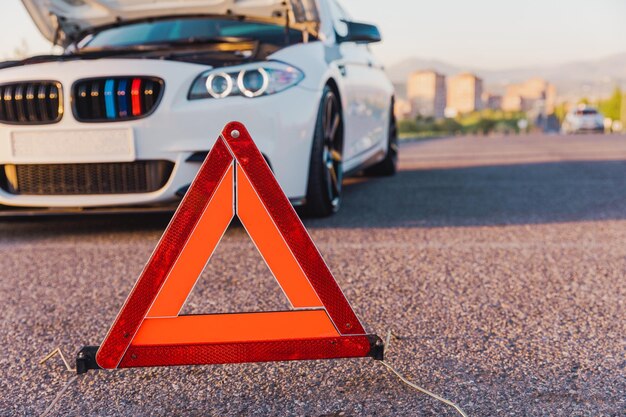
x,y
181,131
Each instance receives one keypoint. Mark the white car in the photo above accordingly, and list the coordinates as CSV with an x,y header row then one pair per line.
x,y
583,119
125,116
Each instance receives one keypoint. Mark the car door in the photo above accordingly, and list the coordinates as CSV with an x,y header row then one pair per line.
x,y
366,94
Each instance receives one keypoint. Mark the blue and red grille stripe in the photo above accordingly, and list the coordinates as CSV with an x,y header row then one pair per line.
x,y
122,101
116,98
135,91
109,99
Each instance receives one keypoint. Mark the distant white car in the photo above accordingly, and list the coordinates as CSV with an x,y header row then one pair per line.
x,y
127,114
583,119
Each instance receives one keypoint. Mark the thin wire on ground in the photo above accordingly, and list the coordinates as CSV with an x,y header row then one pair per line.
x,y
59,395
414,386
423,390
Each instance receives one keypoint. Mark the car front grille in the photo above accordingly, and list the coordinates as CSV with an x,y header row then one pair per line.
x,y
116,98
31,102
85,179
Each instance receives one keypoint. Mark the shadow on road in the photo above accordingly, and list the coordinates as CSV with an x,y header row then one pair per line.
x,y
485,195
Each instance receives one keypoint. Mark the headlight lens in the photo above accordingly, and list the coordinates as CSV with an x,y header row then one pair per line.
x,y
248,81
219,85
253,83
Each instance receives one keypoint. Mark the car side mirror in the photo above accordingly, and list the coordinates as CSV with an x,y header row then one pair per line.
x,y
360,33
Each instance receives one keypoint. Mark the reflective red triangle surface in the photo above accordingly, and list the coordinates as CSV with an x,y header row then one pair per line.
x,y
235,180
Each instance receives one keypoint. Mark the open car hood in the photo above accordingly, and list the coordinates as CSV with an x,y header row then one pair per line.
x,y
60,21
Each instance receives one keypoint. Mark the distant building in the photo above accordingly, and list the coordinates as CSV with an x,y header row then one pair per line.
x,y
534,94
551,99
426,90
513,101
403,109
492,101
464,93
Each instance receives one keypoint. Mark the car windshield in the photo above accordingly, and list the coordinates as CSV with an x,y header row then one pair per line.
x,y
182,30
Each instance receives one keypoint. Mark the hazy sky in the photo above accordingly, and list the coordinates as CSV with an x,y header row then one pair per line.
x,y
477,33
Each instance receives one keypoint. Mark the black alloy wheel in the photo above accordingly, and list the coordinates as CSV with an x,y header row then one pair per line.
x,y
326,170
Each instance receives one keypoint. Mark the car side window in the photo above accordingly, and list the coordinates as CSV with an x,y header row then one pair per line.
x,y
338,15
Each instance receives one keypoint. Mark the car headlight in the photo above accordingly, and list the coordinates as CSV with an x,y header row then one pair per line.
x,y
249,81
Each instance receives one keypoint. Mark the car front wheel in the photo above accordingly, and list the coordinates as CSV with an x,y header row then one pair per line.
x,y
326,168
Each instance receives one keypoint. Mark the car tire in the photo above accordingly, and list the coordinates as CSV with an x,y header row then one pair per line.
x,y
388,166
326,168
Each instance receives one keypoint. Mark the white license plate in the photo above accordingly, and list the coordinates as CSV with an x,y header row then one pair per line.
x,y
73,146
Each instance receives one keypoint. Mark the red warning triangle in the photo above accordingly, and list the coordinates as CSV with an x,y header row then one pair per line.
x,y
234,180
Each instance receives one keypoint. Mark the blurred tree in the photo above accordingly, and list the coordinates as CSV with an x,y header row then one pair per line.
x,y
407,126
611,107
560,111
449,125
482,122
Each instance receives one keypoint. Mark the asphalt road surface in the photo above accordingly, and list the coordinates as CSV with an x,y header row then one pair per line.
x,y
499,263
